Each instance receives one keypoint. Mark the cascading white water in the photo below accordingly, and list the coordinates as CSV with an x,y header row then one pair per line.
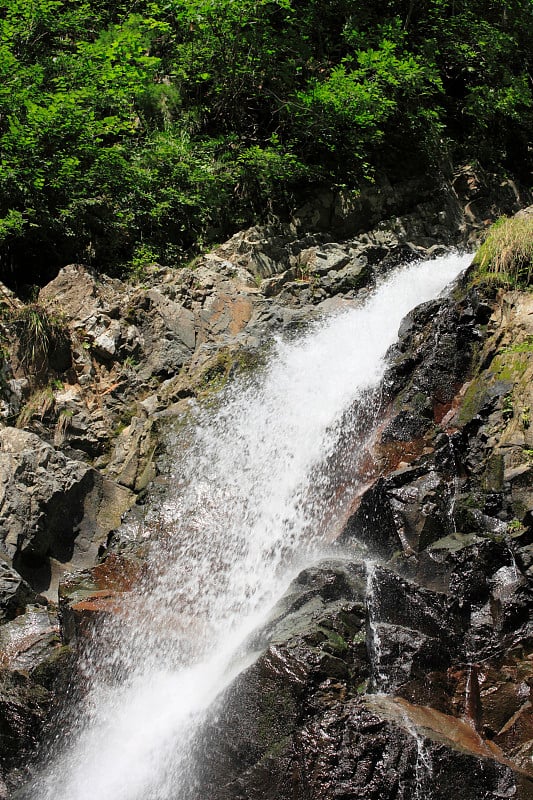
x,y
251,501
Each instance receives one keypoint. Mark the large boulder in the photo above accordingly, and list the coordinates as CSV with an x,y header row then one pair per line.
x,y
298,724
53,509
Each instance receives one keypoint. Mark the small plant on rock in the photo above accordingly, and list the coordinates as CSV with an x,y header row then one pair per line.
x,y
507,407
38,332
506,255
40,404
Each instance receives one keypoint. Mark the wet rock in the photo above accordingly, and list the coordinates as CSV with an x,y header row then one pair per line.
x,y
413,630
29,639
405,512
27,702
373,523
424,377
454,590
14,592
452,520
312,645
293,724
344,752
23,710
35,669
88,595
452,757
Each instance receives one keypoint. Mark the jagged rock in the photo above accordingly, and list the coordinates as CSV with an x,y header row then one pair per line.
x,y
455,479
168,335
415,210
407,511
42,495
35,671
14,592
52,507
293,725
263,251
315,635
426,378
27,700
29,640
131,463
414,630
23,709
105,345
87,595
453,768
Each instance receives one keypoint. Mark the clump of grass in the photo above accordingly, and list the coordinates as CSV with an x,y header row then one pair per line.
x,y
40,404
37,331
506,255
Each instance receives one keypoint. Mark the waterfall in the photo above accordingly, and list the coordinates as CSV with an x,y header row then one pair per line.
x,y
250,502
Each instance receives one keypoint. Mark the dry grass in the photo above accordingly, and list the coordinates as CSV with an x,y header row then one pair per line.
x,y
35,330
40,404
506,255
64,422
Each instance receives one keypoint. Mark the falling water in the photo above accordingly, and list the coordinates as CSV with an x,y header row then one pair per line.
x,y
251,500
379,677
423,764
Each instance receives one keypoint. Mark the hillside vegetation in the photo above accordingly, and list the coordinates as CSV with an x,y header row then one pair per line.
x,y
133,131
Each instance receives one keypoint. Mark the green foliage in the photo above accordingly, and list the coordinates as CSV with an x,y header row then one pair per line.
x,y
363,98
507,407
154,127
507,253
515,528
521,347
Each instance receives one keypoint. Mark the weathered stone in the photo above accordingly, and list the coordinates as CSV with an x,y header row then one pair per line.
x,y
106,344
451,513
29,639
14,592
52,507
42,495
292,726
131,464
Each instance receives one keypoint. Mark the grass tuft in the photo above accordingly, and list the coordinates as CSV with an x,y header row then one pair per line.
x,y
506,255
38,332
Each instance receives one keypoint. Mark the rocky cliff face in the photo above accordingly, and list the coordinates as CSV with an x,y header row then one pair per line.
x,y
407,678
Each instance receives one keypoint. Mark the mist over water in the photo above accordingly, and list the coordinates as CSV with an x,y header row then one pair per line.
x,y
252,499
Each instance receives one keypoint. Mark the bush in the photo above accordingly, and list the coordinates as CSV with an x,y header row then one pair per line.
x,y
507,253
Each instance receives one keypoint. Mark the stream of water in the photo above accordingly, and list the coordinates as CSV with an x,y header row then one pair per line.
x,y
251,501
